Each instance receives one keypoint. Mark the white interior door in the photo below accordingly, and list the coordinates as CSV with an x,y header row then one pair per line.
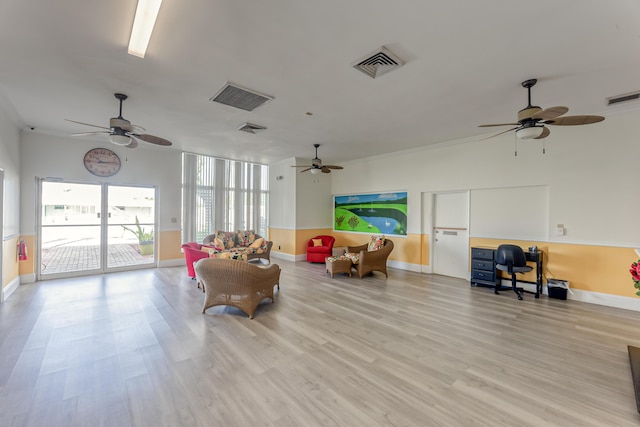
x,y
451,234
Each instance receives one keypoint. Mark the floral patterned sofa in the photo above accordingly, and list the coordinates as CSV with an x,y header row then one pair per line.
x,y
241,244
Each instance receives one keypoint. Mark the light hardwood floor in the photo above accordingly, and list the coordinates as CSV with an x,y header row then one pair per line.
x,y
133,349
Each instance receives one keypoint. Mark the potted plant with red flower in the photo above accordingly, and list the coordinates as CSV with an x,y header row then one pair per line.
x,y
635,275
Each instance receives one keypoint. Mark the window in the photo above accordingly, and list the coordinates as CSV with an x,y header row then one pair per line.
x,y
220,194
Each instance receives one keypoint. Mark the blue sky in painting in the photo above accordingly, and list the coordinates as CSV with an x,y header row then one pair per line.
x,y
366,198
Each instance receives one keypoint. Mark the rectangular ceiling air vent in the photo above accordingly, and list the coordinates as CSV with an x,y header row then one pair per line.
x,y
239,97
378,63
623,98
251,128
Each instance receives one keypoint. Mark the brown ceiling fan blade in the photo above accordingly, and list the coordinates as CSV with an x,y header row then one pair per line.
x,y
574,120
545,133
325,169
152,139
91,133
333,167
550,113
88,124
304,170
132,144
499,124
493,136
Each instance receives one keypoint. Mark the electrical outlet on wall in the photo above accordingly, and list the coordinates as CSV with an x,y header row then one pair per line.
x,y
560,230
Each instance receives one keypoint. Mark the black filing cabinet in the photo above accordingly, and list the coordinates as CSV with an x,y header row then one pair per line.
x,y
483,267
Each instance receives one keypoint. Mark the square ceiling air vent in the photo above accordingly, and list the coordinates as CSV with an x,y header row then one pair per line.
x,y
251,128
239,97
378,63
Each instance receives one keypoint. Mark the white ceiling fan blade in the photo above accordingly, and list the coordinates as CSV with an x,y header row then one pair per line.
x,y
91,133
492,136
88,124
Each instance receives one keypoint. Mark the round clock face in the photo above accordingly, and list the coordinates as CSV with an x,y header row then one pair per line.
x,y
102,162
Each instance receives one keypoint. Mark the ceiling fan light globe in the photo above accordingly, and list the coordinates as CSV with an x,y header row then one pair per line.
x,y
120,139
531,132
316,171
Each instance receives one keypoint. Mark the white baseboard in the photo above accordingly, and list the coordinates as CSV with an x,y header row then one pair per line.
x,y
25,279
177,262
617,301
417,268
9,289
627,303
287,257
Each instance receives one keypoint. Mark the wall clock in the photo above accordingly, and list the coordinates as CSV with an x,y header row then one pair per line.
x,y
102,162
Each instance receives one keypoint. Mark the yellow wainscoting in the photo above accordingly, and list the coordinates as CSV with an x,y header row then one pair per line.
x,y
284,240
169,244
10,265
593,268
405,249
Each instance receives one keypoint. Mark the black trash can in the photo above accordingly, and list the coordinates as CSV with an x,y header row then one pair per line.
x,y
557,288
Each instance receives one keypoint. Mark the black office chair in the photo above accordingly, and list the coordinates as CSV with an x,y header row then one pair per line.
x,y
510,258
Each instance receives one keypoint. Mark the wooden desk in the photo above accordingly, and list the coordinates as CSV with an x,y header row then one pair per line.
x,y
484,272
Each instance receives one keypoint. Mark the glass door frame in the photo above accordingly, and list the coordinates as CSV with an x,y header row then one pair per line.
x,y
104,231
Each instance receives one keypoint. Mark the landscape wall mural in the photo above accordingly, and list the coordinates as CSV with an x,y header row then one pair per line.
x,y
377,213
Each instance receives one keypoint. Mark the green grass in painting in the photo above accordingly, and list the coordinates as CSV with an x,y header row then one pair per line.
x,y
345,220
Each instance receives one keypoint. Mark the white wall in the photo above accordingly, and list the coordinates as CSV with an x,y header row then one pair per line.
x,y
62,157
282,195
298,201
10,163
591,171
313,195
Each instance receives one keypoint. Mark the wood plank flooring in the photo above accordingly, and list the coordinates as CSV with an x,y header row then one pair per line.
x,y
133,349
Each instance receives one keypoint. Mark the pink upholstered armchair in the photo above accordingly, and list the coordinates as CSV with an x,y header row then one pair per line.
x,y
192,253
319,253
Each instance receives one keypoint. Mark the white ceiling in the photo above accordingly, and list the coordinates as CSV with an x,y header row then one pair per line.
x,y
465,61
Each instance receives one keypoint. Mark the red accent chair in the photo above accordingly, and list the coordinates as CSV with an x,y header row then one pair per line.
x,y
319,253
192,253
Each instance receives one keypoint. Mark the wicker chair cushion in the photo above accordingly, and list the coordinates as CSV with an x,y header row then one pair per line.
x,y
352,256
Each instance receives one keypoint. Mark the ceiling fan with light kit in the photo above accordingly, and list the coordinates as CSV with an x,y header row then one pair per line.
x,y
121,131
316,165
533,120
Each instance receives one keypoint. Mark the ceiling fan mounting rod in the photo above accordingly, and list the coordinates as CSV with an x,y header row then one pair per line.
x,y
529,84
121,97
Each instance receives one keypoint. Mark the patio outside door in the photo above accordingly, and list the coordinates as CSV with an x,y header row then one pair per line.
x,y
76,238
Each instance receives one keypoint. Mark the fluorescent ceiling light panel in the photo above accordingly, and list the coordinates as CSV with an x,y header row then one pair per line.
x,y
143,23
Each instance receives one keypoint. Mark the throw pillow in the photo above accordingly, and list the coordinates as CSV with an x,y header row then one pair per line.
x,y
375,243
317,242
257,243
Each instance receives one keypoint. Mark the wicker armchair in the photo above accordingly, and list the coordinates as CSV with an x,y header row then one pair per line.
x,y
369,261
238,284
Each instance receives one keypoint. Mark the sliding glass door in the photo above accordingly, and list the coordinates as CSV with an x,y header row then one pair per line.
x,y
90,228
131,225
